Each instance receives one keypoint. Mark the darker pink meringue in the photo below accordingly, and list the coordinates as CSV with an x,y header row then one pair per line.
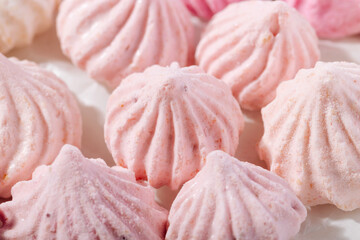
x,y
331,18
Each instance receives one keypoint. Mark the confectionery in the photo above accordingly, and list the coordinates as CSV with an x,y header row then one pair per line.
x,y
312,134
255,45
230,199
112,39
330,18
41,116
80,198
162,123
21,21
205,9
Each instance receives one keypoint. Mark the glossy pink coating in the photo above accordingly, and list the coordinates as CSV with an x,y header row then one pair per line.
x,y
80,198
39,115
255,45
111,39
230,199
312,134
162,123
330,18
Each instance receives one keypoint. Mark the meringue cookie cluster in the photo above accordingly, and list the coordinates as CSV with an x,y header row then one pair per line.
x,y
178,126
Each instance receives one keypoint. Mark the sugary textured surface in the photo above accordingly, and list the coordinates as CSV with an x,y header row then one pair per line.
x,y
39,115
162,123
255,45
230,199
205,9
111,39
79,198
330,18
21,20
312,134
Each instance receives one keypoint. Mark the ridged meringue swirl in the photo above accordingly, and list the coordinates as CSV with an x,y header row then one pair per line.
x,y
205,9
255,45
312,134
21,20
162,123
230,199
330,18
111,39
40,115
80,198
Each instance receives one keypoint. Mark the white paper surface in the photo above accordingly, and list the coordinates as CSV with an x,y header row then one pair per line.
x,y
323,222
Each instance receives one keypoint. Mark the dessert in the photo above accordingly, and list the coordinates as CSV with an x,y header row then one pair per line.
x,y
162,123
80,198
112,39
312,134
255,45
40,115
230,199
330,18
205,9
21,21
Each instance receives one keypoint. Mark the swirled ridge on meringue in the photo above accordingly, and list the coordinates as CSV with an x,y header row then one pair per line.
x,y
230,199
21,20
162,123
330,18
80,198
111,39
255,45
205,9
312,134
40,115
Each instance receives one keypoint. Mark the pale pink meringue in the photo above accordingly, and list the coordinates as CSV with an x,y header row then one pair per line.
x,y
162,123
205,9
80,198
40,115
312,134
22,20
111,39
331,18
230,199
255,45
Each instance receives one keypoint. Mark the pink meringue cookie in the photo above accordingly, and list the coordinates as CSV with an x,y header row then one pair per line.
x,y
330,18
205,9
312,134
255,45
111,39
80,198
40,115
162,123
230,199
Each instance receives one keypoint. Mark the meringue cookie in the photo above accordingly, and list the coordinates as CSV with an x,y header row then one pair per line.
x,y
111,39
205,9
230,199
162,123
79,198
330,18
40,115
312,134
255,45
21,21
